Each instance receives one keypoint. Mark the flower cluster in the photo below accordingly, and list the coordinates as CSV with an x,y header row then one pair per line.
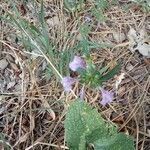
x,y
77,63
80,64
67,83
107,96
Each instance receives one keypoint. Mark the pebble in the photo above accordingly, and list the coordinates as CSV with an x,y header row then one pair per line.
x,y
3,64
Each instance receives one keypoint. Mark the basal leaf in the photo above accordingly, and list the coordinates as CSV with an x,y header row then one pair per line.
x,y
85,127
81,120
116,142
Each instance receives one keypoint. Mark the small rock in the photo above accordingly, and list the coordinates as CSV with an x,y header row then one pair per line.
x,y
11,84
144,49
129,67
119,37
2,109
18,87
53,21
3,64
139,41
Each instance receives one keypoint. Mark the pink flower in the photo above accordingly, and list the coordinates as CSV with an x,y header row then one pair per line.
x,y
77,63
67,83
107,96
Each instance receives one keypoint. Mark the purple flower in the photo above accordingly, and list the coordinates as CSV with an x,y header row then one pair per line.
x,y
67,83
77,63
107,96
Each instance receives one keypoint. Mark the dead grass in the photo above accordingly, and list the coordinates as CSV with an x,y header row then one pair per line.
x,y
32,111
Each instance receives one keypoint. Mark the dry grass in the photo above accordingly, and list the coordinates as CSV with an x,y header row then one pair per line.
x,y
32,111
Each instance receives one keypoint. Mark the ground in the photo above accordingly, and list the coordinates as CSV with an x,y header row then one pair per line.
x,y
33,102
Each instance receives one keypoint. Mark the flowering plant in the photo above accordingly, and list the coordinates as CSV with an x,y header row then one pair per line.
x,y
84,127
89,75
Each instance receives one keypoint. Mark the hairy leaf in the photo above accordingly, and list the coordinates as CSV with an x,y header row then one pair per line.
x,y
85,127
116,142
80,121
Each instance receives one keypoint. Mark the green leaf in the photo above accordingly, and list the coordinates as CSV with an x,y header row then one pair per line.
x,y
111,73
44,25
102,4
108,131
85,127
116,142
35,29
85,30
104,69
41,13
72,5
98,13
80,121
82,144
